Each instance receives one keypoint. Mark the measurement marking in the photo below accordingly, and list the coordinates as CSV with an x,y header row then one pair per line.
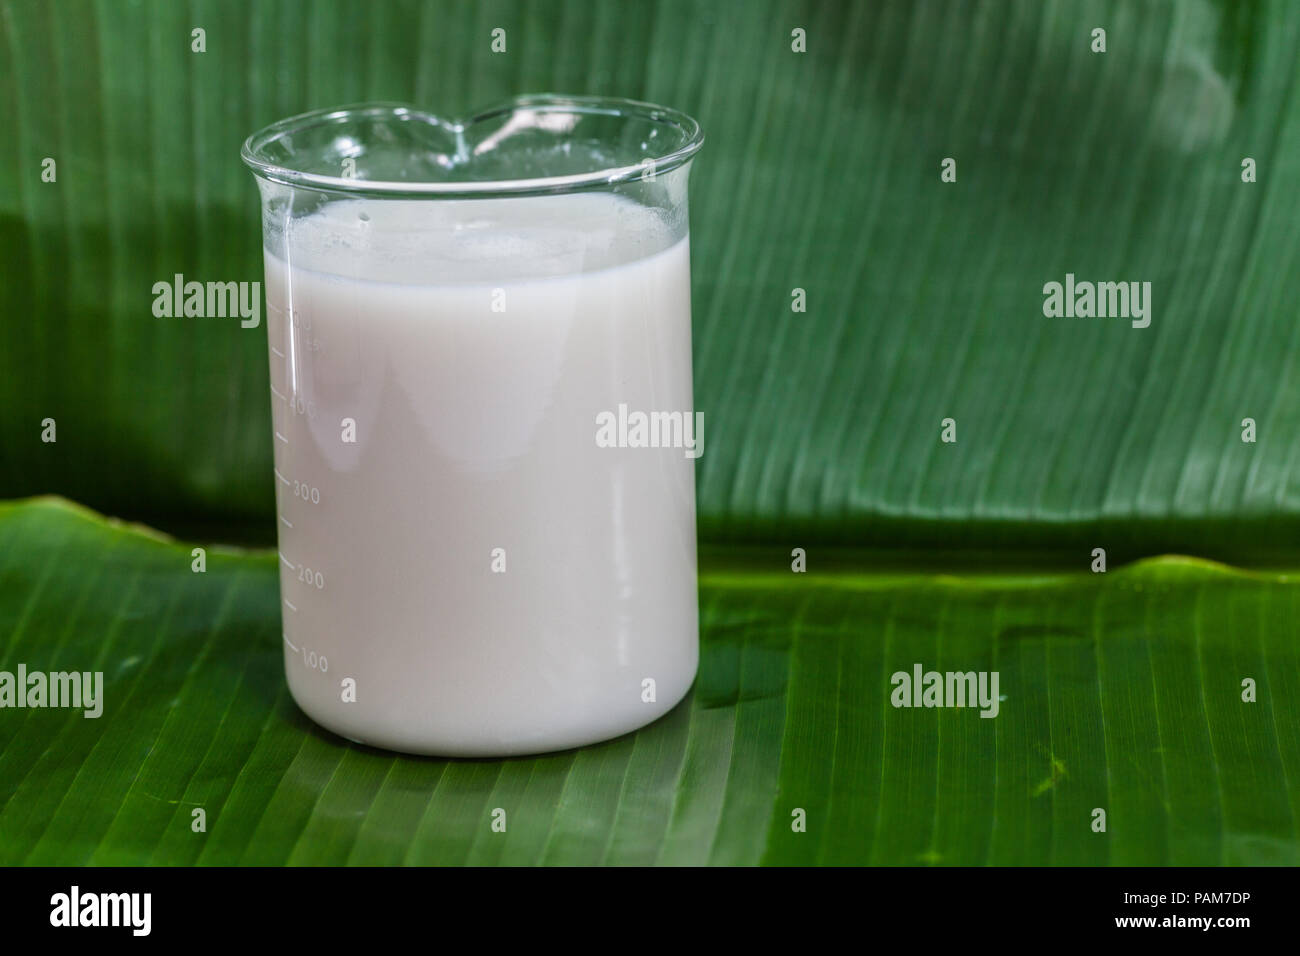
x,y
290,605
282,438
276,393
281,477
287,562
289,642
287,522
277,351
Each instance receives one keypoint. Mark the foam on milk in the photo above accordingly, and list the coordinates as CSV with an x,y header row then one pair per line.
x,y
473,343
475,241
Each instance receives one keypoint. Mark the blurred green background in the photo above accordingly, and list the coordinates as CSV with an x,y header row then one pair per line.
x,y
821,171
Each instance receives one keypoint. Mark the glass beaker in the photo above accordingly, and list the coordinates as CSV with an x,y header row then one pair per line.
x,y
480,345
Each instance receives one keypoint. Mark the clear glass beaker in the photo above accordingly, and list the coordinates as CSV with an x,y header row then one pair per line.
x,y
480,346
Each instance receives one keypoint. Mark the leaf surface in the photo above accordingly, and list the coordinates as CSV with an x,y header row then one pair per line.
x,y
1120,691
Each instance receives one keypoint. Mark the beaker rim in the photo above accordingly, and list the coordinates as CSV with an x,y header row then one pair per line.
x,y
689,140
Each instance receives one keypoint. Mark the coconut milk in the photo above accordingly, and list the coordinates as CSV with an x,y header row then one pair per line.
x,y
464,569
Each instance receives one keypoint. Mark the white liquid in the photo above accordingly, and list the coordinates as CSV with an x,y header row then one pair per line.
x,y
475,431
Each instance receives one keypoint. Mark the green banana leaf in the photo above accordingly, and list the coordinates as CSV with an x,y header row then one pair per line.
x,y
821,172
1121,692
